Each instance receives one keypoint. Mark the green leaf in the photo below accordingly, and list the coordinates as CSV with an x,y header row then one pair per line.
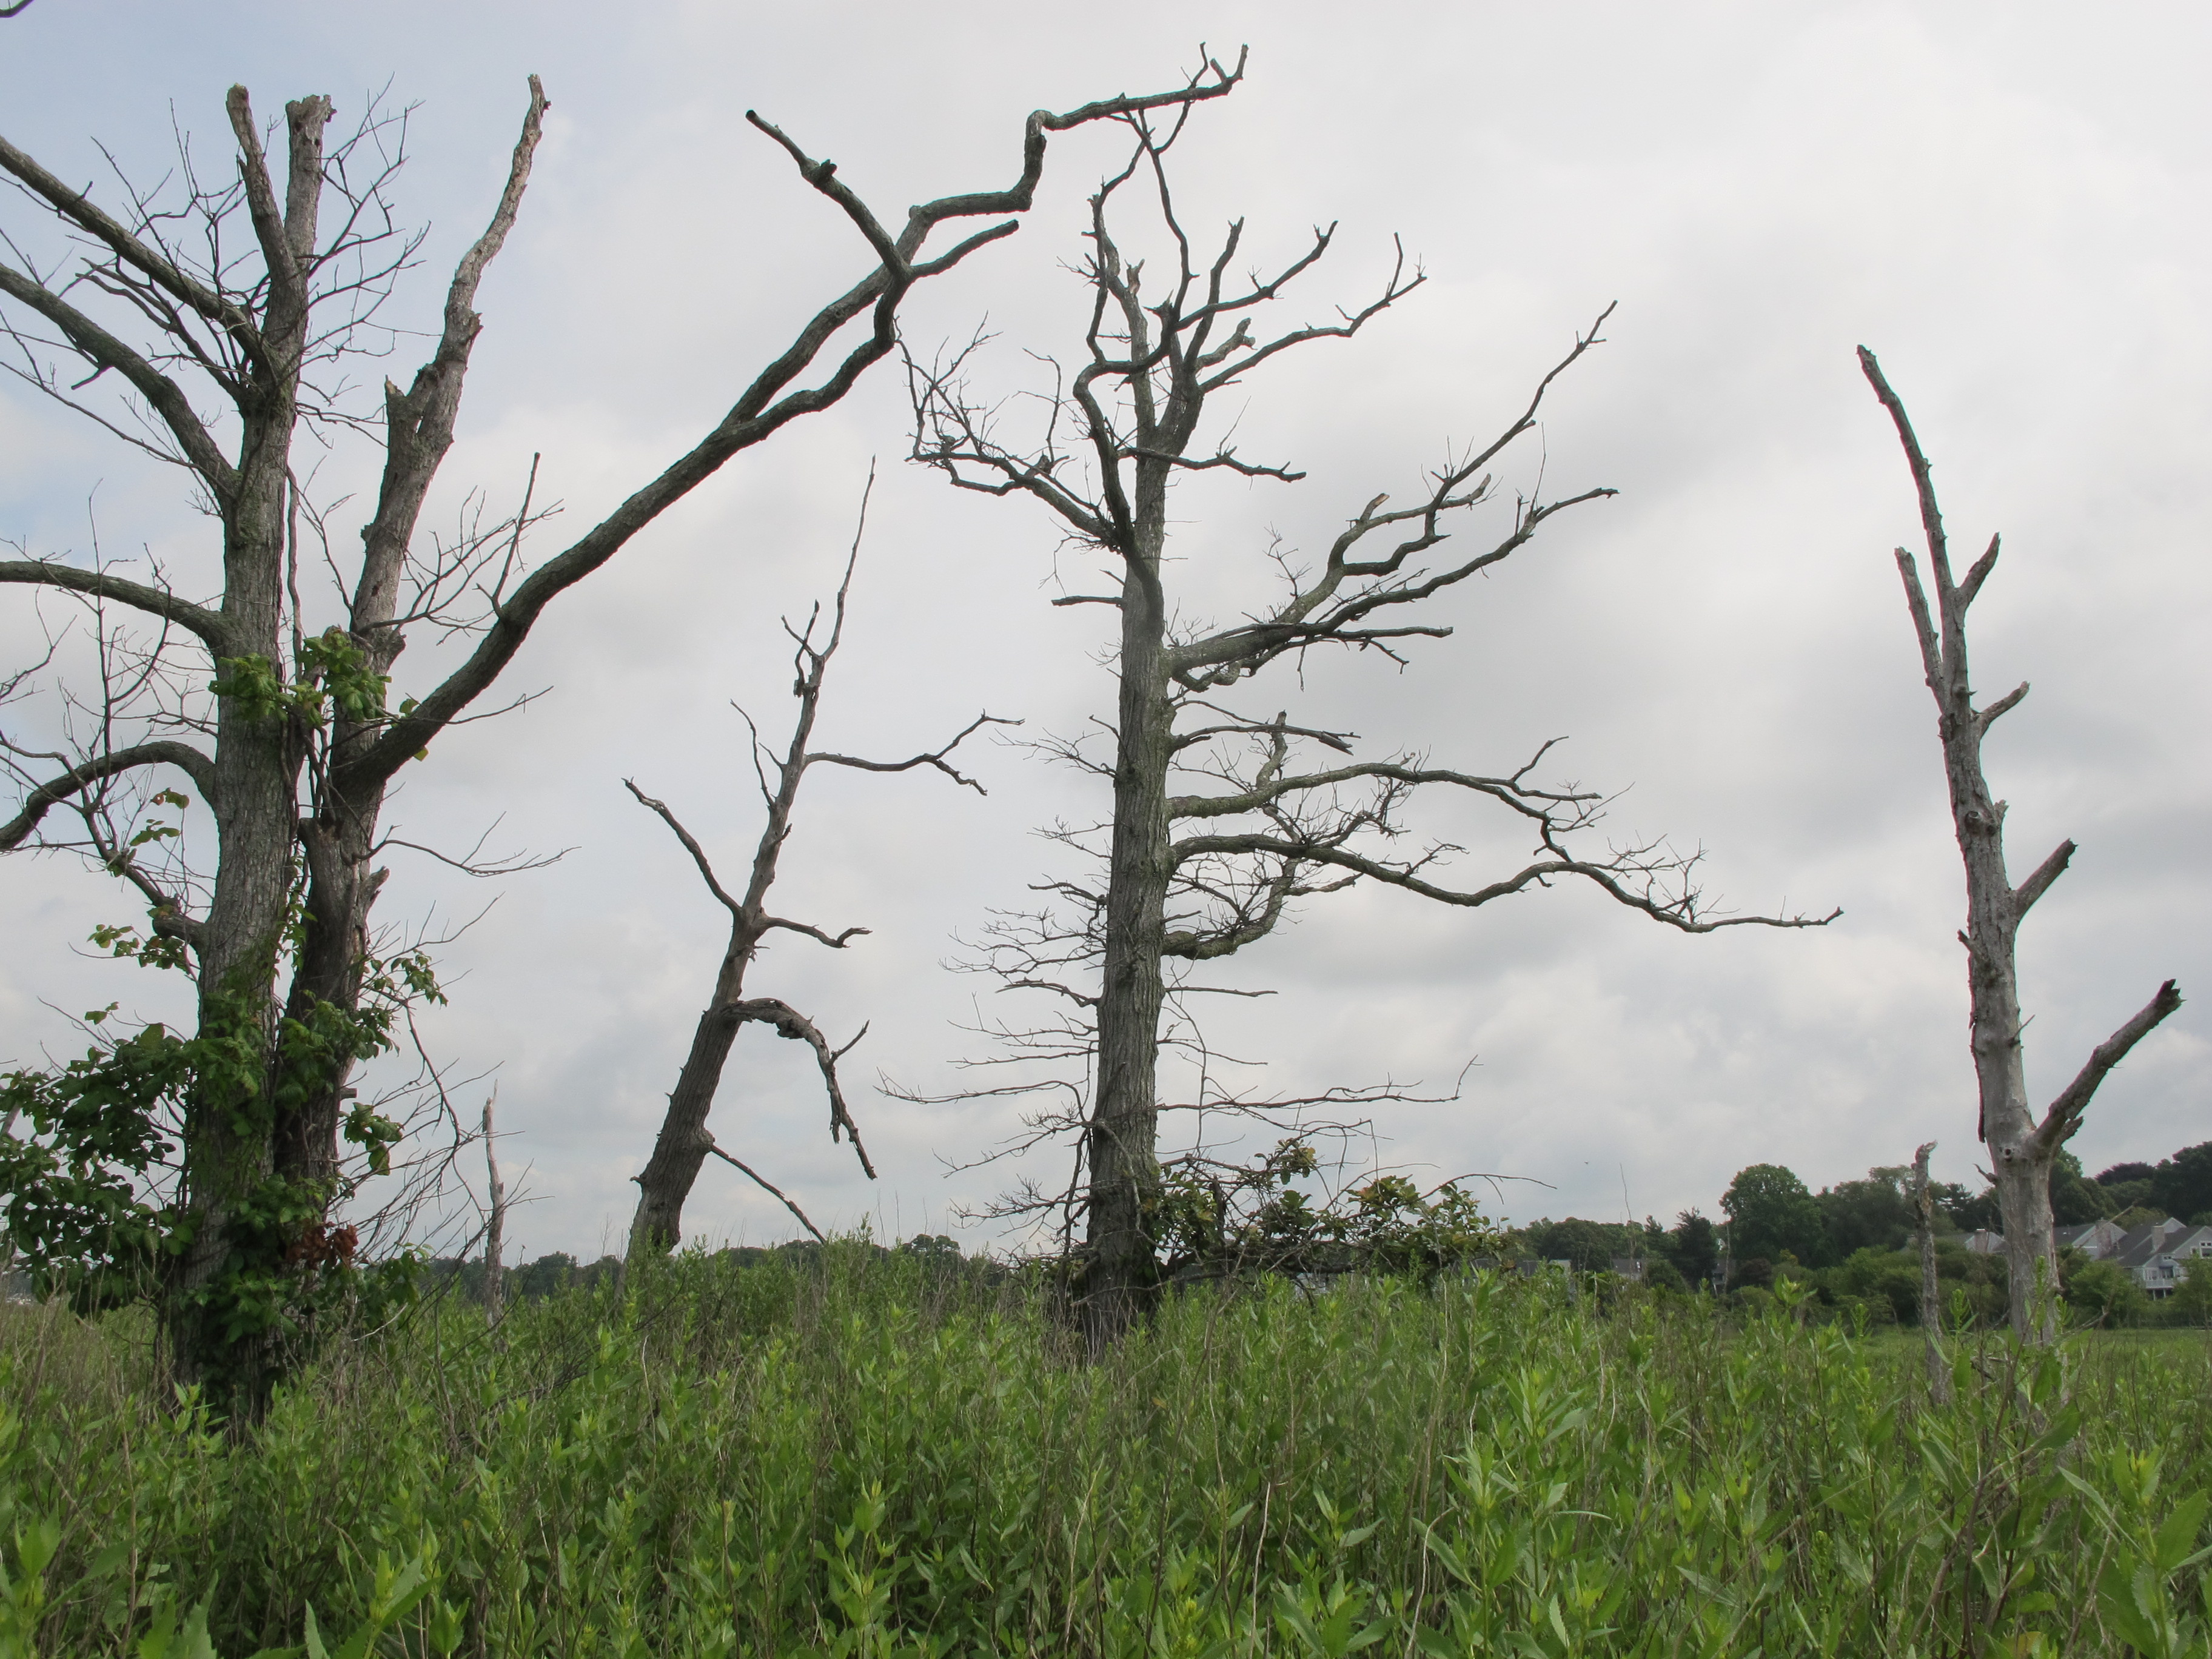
x,y
2176,1538
36,1543
2120,1596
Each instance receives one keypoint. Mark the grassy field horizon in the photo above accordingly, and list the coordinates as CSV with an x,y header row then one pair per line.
x,y
868,1454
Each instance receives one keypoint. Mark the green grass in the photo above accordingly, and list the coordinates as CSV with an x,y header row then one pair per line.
x,y
870,1456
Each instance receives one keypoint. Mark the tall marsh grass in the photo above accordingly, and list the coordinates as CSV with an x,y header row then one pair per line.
x,y
870,1455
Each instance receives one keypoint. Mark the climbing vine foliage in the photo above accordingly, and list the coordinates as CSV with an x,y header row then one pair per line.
x,y
1211,1220
95,1193
333,674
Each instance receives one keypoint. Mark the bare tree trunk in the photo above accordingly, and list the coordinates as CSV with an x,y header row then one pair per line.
x,y
337,839
496,1223
682,1146
1931,1294
2022,1149
1122,1143
228,1153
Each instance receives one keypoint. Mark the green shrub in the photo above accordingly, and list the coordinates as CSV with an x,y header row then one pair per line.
x,y
2192,1302
2106,1294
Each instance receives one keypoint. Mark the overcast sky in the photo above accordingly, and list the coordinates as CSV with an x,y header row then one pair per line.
x,y
2005,202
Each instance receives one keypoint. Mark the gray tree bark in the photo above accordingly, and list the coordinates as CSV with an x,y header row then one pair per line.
x,y
2022,1148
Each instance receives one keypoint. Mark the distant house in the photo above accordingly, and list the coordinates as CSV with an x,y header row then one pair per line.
x,y
1529,1266
1983,1241
1629,1267
2157,1254
2095,1239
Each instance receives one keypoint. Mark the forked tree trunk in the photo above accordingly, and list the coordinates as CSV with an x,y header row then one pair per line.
x,y
228,1149
2022,1150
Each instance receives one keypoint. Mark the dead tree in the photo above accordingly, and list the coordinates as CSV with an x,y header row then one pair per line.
x,y
1931,1294
685,1141
2022,1148
1217,824
495,1218
251,296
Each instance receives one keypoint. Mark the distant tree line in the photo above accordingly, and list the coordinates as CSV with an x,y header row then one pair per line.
x,y
557,1270
1852,1242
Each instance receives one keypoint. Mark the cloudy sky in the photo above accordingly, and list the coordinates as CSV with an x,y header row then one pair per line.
x,y
2006,202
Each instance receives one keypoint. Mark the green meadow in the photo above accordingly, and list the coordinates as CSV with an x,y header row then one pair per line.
x,y
866,1453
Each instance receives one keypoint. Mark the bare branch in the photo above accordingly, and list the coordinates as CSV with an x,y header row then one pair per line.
x,y
208,625
1991,716
481,869
1931,515
788,1022
1511,791
934,758
2038,882
1977,574
79,210
1923,625
1679,911
768,1185
690,845
419,422
835,942
105,351
160,752
2065,1116
767,405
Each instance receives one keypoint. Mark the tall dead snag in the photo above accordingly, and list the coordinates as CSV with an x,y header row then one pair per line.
x,y
494,1220
1260,828
684,1140
2022,1148
1931,1293
258,296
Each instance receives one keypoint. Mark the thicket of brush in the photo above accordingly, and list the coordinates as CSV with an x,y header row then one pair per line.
x,y
872,1455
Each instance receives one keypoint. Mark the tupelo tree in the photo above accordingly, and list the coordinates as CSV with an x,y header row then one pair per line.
x,y
205,1167
1219,823
2023,1149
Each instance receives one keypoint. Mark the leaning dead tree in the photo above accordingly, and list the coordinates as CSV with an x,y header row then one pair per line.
x,y
685,1142
2022,1147
211,323
1220,822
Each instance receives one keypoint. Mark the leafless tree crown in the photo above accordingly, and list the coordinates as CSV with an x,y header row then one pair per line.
x,y
1220,820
